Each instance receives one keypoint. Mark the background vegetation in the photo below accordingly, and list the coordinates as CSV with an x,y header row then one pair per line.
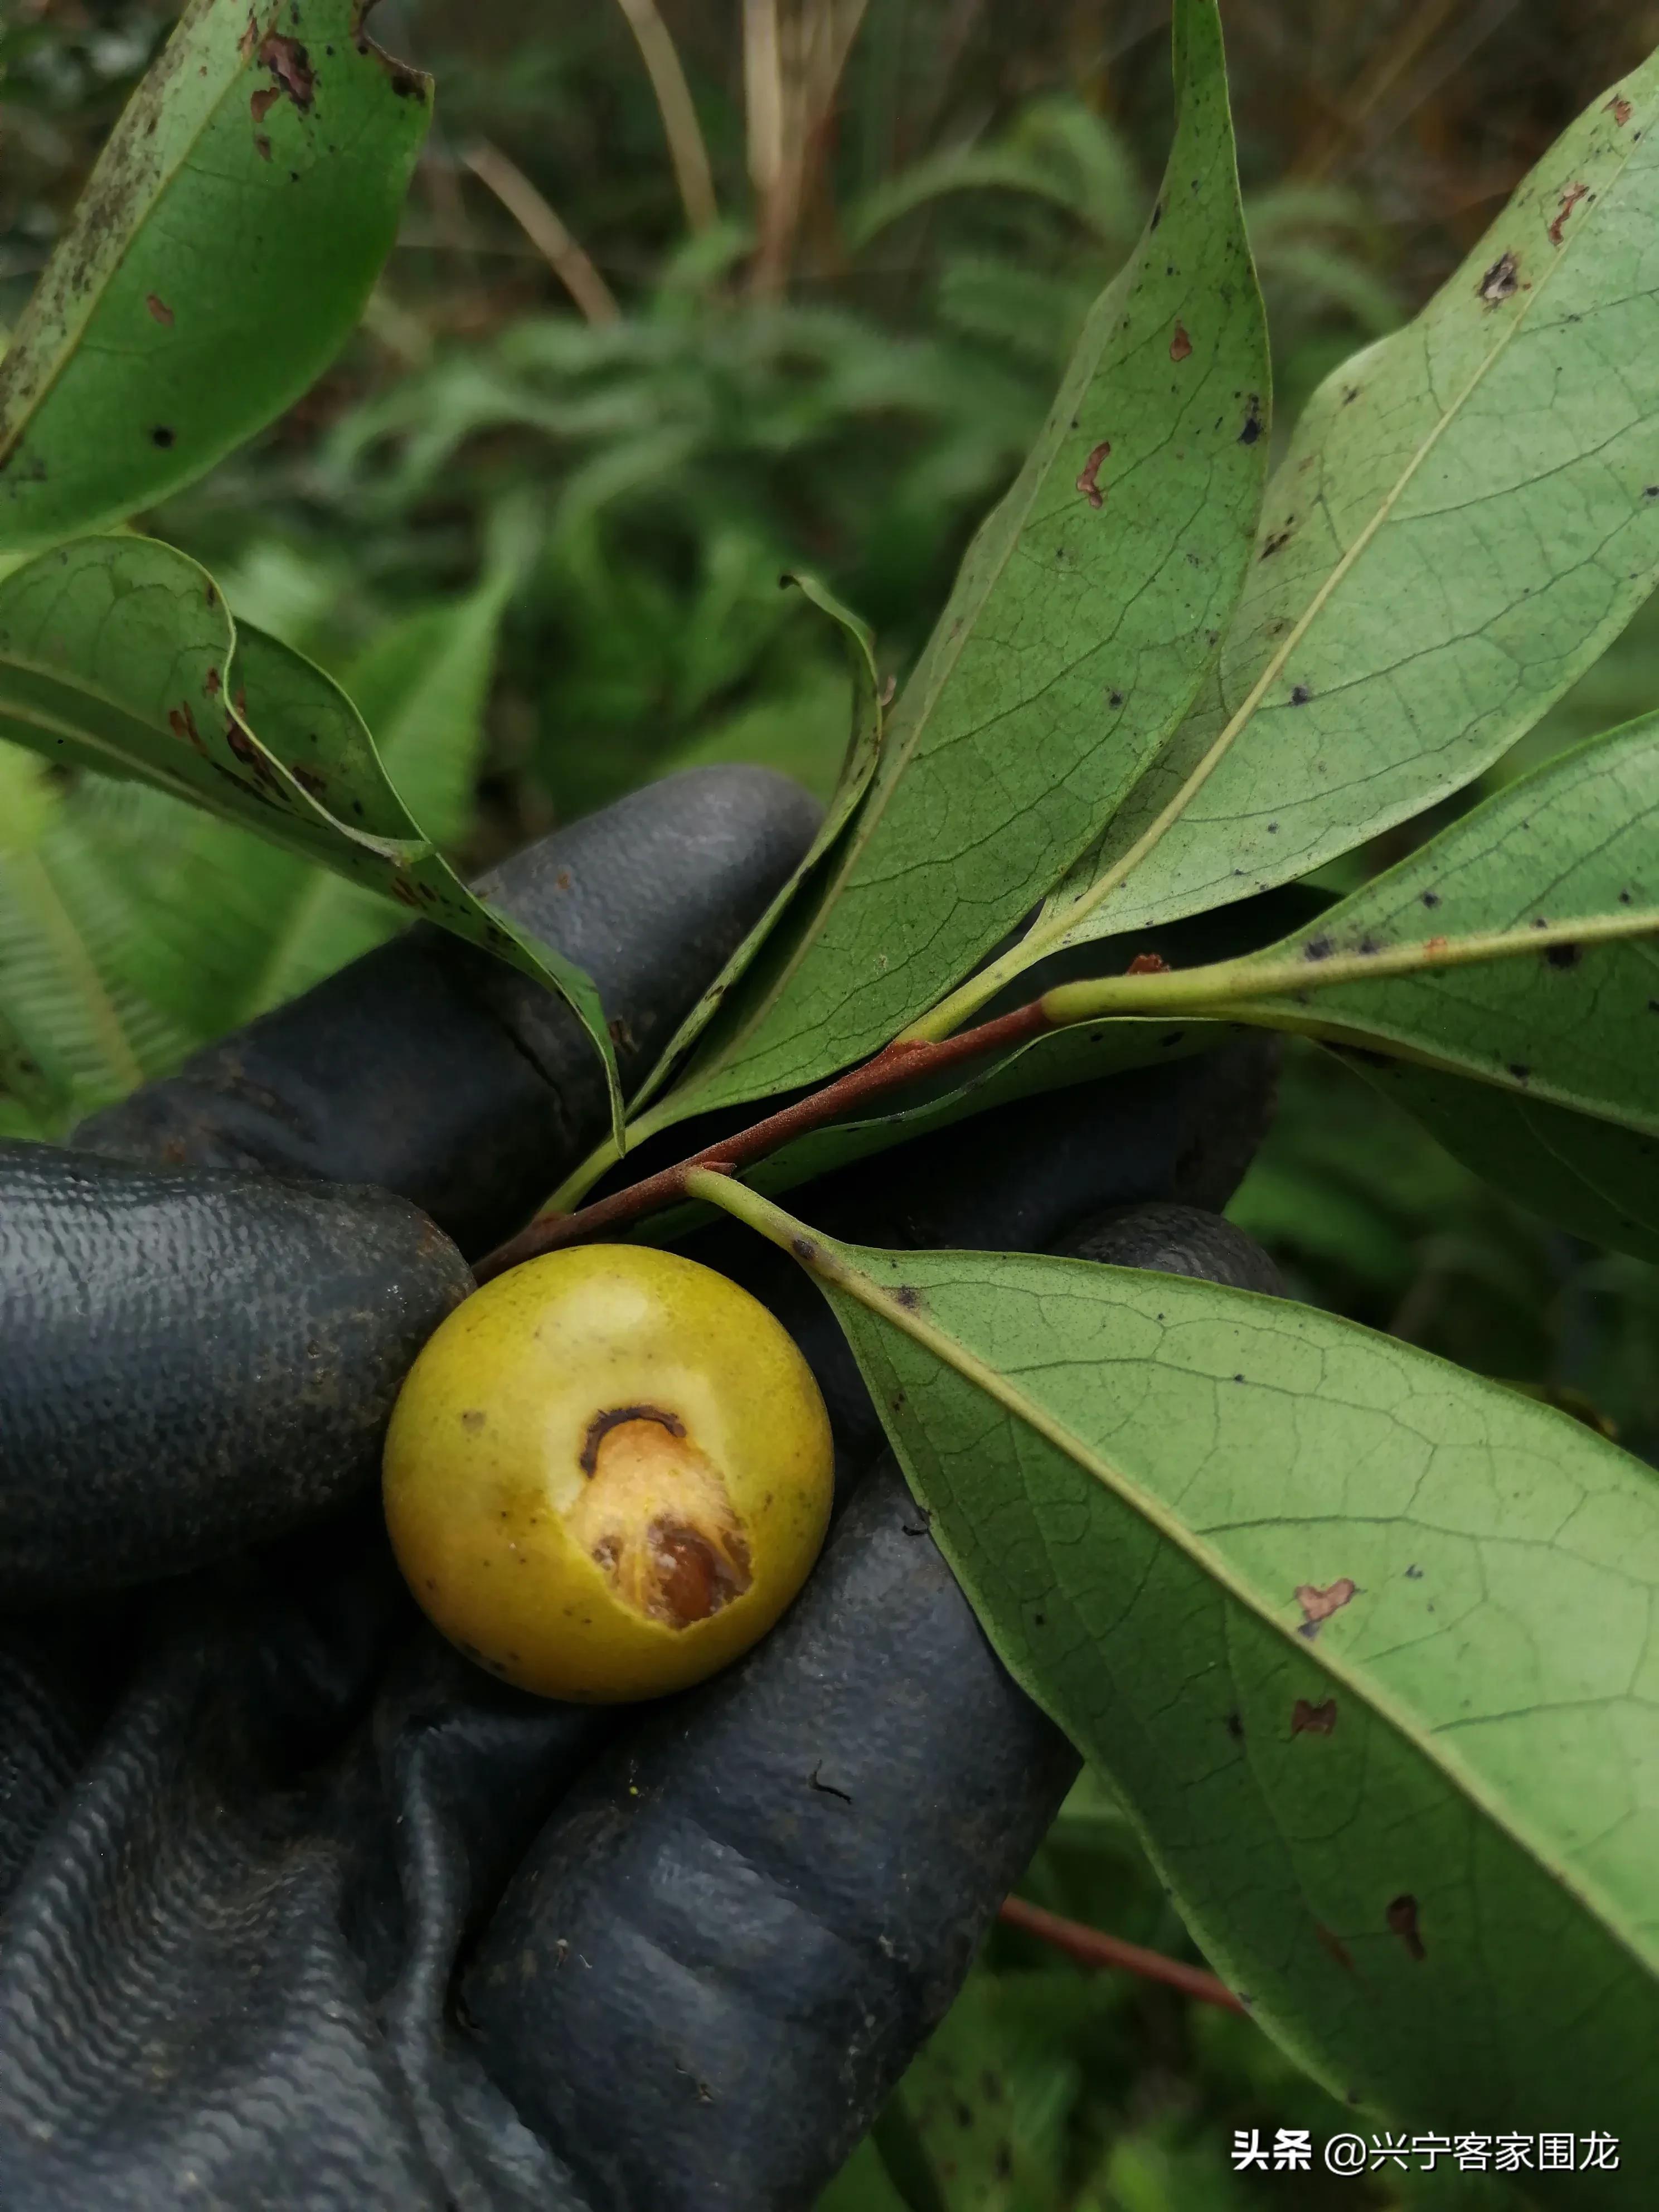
x,y
621,374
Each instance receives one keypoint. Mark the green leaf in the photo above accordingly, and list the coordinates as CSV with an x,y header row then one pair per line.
x,y
421,686
989,2095
222,251
1592,1178
1058,150
1465,519
77,1028
864,748
119,654
863,2185
1087,609
1365,1645
1549,892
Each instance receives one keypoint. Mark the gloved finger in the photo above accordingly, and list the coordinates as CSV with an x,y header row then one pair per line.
x,y
195,1362
431,1068
192,1363
743,1920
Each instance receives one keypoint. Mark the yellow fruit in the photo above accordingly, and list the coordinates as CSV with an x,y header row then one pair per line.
x,y
607,1473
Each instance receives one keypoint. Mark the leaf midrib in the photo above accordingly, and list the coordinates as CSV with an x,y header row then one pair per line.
x,y
1583,1889
874,807
1088,902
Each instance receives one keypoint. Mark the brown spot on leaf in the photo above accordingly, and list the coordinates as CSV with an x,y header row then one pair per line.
x,y
182,723
1300,694
1252,430
1180,344
309,779
159,310
261,102
908,1296
1620,108
250,757
1564,956
213,683
1318,1605
1402,1922
262,147
290,66
1570,199
1086,482
1500,283
163,435
473,1418
1332,1944
1313,1720
621,1033
1147,963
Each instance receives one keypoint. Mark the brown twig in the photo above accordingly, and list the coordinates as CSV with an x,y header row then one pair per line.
x,y
1090,1948
897,1064
545,230
686,148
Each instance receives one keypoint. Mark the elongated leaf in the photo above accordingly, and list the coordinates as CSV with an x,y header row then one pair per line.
x,y
863,752
420,688
1598,1180
119,654
1467,514
1365,1645
1561,868
1087,610
220,253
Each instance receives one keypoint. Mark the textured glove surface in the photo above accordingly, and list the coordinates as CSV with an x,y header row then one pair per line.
x,y
304,1911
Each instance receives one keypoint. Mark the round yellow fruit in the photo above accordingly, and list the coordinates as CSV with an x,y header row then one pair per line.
x,y
607,1473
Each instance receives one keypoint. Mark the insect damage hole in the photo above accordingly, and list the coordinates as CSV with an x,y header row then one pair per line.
x,y
655,1516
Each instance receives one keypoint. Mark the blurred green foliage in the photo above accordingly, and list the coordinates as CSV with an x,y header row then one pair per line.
x,y
544,550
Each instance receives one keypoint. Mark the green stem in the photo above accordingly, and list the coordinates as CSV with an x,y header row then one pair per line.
x,y
1227,984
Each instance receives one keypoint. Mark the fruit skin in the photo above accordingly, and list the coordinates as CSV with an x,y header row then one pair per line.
x,y
607,1474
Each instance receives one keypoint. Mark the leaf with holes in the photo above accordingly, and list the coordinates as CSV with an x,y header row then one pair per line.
x,y
1087,609
1365,1644
118,654
1468,513
221,254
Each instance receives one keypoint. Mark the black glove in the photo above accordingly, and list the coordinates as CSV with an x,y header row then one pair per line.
x,y
300,1909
